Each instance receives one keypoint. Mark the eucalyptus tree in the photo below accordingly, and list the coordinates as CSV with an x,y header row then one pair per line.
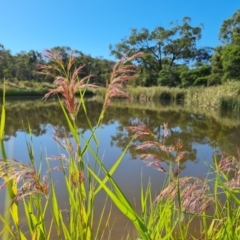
x,y
6,63
226,58
230,29
164,49
25,65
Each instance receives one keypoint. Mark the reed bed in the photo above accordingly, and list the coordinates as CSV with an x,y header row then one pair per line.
x,y
25,88
157,93
150,93
168,216
12,92
226,96
30,89
223,97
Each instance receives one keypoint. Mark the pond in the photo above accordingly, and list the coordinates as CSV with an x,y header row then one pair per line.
x,y
203,133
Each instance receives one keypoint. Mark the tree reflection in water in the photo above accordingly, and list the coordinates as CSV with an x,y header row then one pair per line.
x,y
185,125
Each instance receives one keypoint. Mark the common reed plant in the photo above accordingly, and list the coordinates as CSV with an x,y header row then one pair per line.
x,y
166,216
78,176
212,201
226,96
157,93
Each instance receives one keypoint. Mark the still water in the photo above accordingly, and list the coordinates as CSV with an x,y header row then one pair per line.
x,y
203,133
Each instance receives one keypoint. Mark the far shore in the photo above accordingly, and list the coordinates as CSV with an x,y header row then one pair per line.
x,y
224,97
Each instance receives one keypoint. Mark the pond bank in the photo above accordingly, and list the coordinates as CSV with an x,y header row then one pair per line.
x,y
222,97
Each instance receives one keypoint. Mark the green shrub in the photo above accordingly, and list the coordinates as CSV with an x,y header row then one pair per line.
x,y
214,79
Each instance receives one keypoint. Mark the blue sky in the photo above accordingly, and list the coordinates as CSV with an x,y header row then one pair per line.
x,y
91,25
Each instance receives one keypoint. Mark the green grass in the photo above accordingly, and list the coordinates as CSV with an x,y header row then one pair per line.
x,y
170,215
157,93
222,97
30,89
150,93
25,89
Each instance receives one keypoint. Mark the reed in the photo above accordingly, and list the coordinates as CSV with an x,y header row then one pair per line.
x,y
157,93
167,216
223,97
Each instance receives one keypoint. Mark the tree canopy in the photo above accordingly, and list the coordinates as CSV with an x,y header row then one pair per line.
x,y
24,65
230,29
226,58
172,57
165,50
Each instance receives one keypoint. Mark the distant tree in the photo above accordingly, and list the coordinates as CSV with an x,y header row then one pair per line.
x,y
164,49
169,77
216,60
230,29
25,65
231,62
195,76
6,63
216,67
225,61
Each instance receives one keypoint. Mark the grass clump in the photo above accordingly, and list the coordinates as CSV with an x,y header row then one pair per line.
x,y
31,89
168,216
25,89
215,96
157,93
150,93
222,97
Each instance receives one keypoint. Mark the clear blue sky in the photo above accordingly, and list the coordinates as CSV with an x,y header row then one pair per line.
x,y
91,25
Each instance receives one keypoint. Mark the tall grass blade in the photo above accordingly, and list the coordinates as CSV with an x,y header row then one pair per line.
x,y
55,207
87,118
110,172
66,233
3,115
7,228
123,206
71,126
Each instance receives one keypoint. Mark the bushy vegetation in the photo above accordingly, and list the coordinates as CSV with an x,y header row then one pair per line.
x,y
225,97
214,96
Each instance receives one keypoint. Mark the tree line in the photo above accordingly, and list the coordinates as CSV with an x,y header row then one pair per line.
x,y
172,57
25,65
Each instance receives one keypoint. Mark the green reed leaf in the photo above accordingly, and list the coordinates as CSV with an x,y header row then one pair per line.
x,y
69,122
55,207
123,206
3,115
66,233
6,227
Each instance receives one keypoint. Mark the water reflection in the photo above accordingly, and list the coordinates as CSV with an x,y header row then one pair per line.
x,y
201,132
197,131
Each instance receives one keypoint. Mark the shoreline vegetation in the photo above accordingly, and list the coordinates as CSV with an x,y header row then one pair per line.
x,y
31,194
224,97
221,97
